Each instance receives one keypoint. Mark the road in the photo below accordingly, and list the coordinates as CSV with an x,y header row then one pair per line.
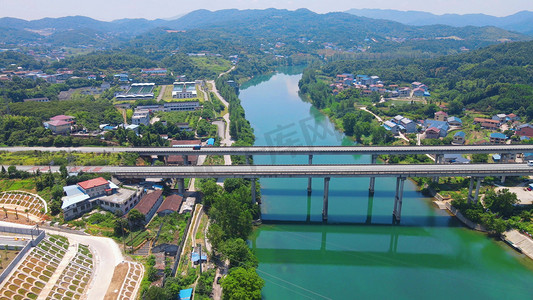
x,y
288,150
161,93
306,171
226,137
106,252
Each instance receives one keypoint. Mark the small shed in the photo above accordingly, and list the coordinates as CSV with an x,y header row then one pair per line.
x,y
185,294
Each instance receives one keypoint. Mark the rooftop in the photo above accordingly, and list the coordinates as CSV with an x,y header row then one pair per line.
x,y
92,183
148,201
172,202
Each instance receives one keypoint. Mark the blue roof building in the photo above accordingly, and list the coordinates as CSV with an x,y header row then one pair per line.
x,y
498,138
210,142
460,134
441,125
455,121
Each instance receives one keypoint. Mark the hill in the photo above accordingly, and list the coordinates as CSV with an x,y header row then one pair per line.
x,y
520,22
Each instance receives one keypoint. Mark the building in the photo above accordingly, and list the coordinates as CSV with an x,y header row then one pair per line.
x,y
418,92
404,92
487,123
392,127
184,90
498,138
84,196
432,133
405,124
512,117
157,71
141,117
37,100
170,205
502,118
178,160
441,116
442,126
459,138
149,204
455,159
181,106
455,121
525,130
58,126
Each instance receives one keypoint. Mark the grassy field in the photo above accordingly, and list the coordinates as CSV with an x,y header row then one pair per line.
x,y
38,158
216,64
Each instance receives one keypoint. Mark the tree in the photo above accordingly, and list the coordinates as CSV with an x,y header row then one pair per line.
x,y
156,293
215,235
238,253
135,217
242,284
63,171
480,158
501,202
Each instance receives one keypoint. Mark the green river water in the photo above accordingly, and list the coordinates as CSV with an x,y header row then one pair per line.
x,y
359,254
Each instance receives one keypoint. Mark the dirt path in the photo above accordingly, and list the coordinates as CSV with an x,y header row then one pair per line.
x,y
161,93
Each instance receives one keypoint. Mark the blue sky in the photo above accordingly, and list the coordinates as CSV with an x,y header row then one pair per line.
x,y
151,9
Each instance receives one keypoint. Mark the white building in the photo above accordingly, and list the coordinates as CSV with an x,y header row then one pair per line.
x,y
184,90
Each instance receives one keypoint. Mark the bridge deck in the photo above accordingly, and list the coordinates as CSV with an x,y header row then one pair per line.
x,y
304,171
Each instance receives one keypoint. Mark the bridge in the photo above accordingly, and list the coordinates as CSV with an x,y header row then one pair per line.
x,y
475,171
290,150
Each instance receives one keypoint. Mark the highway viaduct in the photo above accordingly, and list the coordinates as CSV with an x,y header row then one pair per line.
x,y
475,171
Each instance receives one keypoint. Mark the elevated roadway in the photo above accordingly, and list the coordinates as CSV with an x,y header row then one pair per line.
x,y
296,150
302,171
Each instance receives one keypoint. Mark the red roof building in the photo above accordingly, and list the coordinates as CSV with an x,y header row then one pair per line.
x,y
94,187
441,116
171,204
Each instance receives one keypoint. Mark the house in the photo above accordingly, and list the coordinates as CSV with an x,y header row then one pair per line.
x,y
487,123
502,118
404,92
441,116
37,100
155,71
512,117
178,160
455,159
455,121
525,130
498,138
85,195
58,126
149,204
416,84
441,125
459,138
432,133
405,123
141,117
392,127
170,205
418,92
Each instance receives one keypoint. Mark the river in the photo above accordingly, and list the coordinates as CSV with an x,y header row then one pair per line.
x,y
360,254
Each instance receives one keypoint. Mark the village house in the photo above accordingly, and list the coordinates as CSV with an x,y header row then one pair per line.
x,y
525,130
392,127
497,138
459,138
170,205
442,126
60,124
441,116
405,124
404,92
487,123
455,121
418,92
432,133
502,118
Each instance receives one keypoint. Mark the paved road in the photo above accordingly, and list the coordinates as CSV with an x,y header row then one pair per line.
x,y
305,171
161,93
288,150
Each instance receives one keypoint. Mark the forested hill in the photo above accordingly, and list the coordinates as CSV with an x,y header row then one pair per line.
x,y
519,22
302,28
493,79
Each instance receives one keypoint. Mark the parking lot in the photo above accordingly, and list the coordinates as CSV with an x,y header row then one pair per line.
x,y
524,196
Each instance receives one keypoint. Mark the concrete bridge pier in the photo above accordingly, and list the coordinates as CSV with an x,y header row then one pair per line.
x,y
398,198
248,159
476,195
439,159
504,159
372,179
310,180
185,160
181,186
253,191
326,194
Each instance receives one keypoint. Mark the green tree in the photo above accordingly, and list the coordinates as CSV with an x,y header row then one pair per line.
x,y
501,202
480,158
238,253
242,284
135,217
